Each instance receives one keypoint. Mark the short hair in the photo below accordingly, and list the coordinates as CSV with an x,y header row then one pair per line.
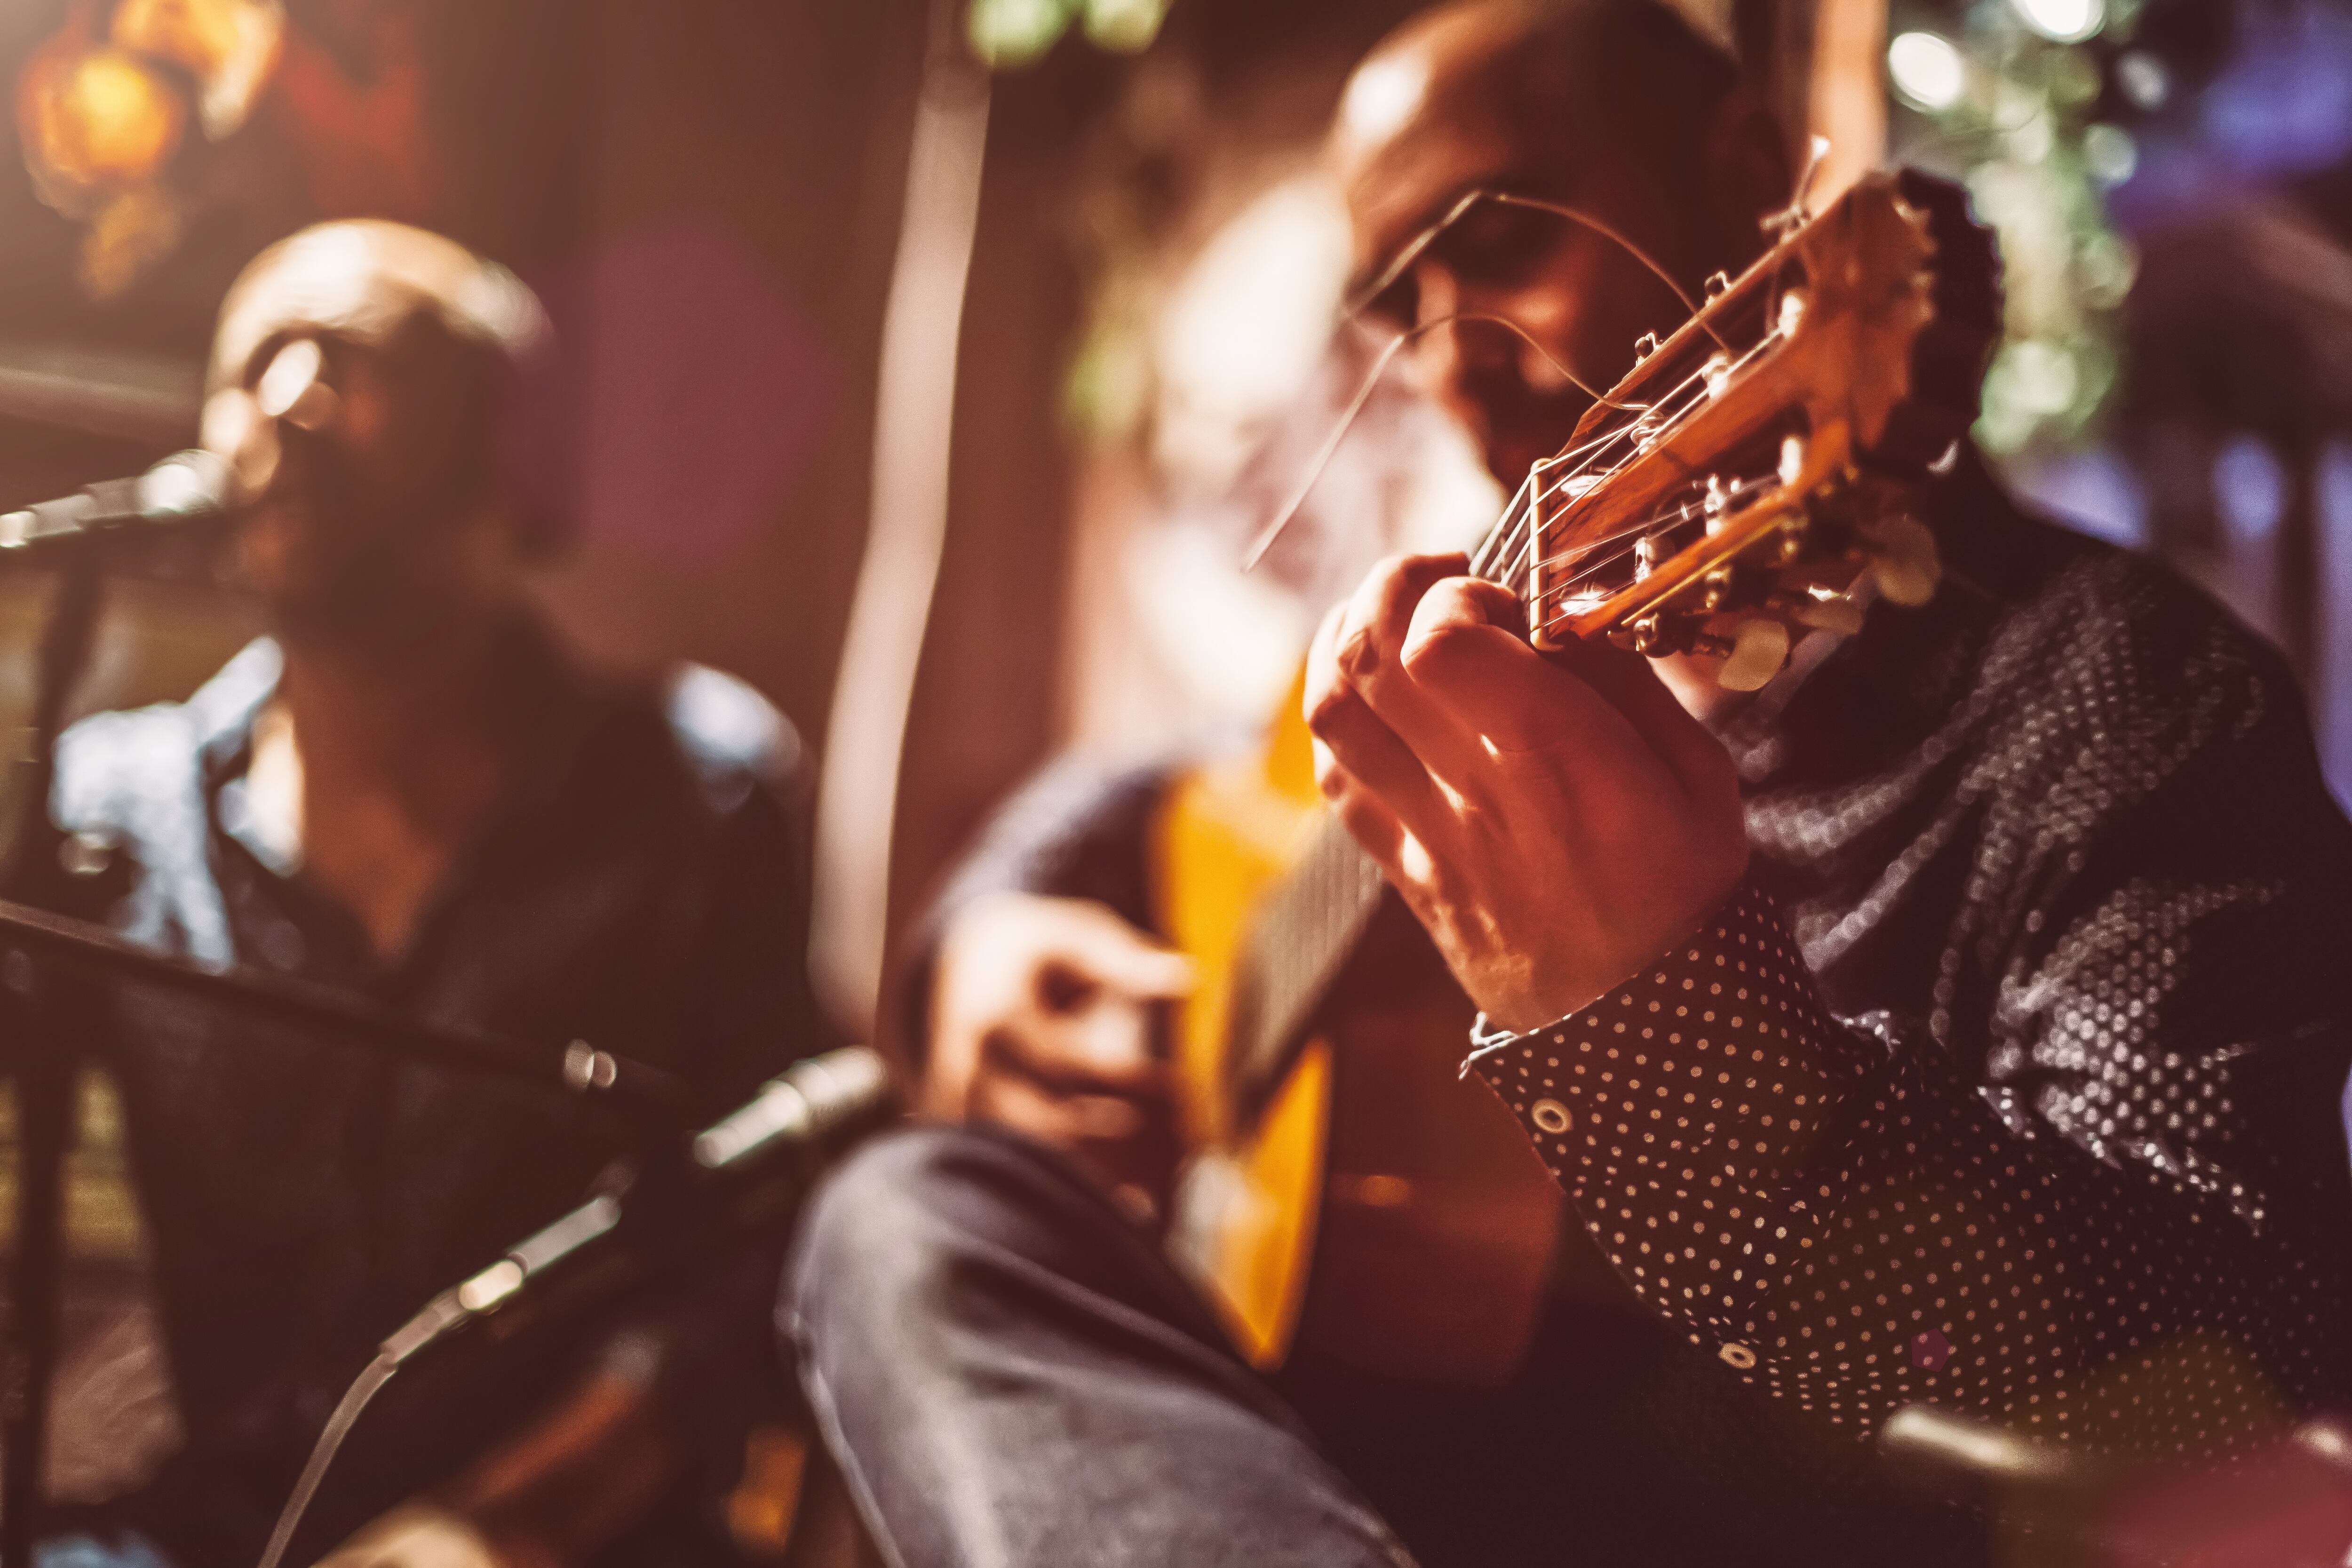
x,y
333,269
377,274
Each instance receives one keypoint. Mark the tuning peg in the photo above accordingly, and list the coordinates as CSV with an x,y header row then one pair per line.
x,y
1907,564
1840,615
1817,605
1751,657
1658,636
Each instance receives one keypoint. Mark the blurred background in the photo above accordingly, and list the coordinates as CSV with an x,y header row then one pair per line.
x,y
1023,306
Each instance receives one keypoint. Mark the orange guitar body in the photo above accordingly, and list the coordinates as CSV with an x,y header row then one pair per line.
x,y
1370,1208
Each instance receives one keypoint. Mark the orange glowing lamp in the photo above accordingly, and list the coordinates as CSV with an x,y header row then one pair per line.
x,y
96,119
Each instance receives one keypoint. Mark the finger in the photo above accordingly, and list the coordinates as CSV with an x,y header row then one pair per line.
x,y
951,1062
1373,620
1107,951
1370,822
1371,645
1350,738
1062,1121
1587,698
1362,746
1461,649
1324,683
1106,1048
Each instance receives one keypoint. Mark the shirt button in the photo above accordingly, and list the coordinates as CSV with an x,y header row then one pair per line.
x,y
1930,1350
1549,1114
1737,1356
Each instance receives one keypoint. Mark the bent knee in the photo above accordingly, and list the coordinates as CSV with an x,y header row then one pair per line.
x,y
898,1220
867,1208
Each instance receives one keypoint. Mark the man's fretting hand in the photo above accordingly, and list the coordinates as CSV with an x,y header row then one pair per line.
x,y
1555,822
1042,1020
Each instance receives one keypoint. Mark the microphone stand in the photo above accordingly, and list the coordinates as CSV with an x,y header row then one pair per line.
x,y
43,1066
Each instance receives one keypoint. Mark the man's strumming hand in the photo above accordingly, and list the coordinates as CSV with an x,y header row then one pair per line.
x,y
1042,1020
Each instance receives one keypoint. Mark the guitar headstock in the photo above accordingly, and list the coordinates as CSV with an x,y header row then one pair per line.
x,y
1749,474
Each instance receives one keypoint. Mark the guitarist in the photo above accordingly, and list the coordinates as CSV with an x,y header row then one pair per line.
x,y
1952,1021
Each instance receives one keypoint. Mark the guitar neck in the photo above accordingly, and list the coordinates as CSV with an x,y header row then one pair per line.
x,y
1302,931
1296,944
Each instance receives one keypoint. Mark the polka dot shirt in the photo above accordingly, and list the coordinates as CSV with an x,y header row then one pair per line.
x,y
2006,1082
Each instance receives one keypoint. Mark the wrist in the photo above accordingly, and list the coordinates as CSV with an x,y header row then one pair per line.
x,y
1722,1036
1642,929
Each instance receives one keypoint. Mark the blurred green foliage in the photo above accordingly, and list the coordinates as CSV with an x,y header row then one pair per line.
x,y
1007,34
2009,101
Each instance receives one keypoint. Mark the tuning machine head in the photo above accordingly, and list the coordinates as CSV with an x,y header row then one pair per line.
x,y
1903,558
1752,653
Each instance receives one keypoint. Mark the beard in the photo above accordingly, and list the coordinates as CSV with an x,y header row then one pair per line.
x,y
373,574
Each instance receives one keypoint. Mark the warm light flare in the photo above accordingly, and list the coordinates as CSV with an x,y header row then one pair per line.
x,y
229,46
97,117
103,108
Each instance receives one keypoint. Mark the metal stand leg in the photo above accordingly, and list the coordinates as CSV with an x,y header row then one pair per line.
x,y
42,1062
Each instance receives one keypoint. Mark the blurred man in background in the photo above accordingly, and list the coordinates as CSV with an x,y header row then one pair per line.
x,y
412,791
2062,830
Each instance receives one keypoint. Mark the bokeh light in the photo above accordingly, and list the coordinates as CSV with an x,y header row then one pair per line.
x,y
100,117
2064,21
230,47
1015,32
1927,70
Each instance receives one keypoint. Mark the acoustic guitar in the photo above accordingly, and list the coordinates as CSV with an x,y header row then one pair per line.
x,y
1744,483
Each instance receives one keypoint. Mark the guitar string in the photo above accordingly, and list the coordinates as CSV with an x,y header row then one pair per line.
x,y
1412,252
1688,512
1508,528
1505,534
1380,363
1419,244
1658,524
1689,383
1577,551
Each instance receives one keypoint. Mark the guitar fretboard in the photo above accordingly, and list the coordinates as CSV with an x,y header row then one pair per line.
x,y
1296,943
1302,931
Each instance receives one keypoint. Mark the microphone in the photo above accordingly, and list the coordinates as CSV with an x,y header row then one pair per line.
x,y
186,489
748,1169
806,1107
745,1168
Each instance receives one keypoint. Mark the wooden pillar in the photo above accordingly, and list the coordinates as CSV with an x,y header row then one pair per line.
x,y
1845,101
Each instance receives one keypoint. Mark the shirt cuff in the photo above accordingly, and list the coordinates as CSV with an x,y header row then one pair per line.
x,y
1719,1055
